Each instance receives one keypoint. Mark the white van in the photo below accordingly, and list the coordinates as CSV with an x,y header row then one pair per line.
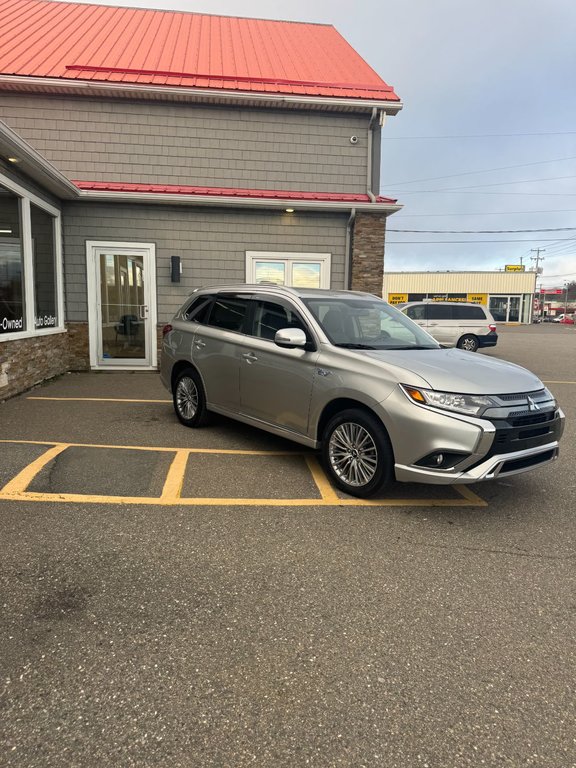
x,y
454,324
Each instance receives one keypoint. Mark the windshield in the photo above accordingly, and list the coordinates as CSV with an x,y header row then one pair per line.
x,y
367,323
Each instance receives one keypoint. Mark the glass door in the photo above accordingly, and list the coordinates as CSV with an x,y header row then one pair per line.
x,y
122,329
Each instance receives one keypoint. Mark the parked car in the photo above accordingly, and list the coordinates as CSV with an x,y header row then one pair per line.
x,y
346,373
563,318
454,324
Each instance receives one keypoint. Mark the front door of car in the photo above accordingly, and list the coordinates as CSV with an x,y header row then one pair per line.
x,y
275,382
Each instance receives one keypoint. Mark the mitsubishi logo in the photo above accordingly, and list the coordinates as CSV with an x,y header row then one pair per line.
x,y
532,406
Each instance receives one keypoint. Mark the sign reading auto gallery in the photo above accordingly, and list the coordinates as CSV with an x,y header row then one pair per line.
x,y
46,321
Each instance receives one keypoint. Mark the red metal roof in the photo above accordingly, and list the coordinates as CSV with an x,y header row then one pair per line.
x,y
256,194
81,42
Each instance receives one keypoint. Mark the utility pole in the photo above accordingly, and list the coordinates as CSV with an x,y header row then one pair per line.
x,y
537,258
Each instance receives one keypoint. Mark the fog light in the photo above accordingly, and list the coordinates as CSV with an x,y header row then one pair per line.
x,y
442,460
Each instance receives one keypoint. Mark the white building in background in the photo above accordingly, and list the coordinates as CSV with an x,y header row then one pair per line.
x,y
509,295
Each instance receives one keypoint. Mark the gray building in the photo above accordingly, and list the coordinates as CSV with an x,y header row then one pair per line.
x,y
127,180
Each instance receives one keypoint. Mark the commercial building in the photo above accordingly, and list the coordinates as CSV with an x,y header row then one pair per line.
x,y
509,295
146,153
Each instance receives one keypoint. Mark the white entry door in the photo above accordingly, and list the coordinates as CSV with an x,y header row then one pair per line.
x,y
122,305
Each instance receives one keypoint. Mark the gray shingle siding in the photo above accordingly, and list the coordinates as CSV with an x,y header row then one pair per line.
x,y
190,144
212,244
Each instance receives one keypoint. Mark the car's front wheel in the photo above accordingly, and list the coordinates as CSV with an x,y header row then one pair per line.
x,y
468,342
357,453
189,399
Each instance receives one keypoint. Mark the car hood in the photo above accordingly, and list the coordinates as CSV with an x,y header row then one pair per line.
x,y
453,370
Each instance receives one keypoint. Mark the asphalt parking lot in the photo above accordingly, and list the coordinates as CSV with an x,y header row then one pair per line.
x,y
177,597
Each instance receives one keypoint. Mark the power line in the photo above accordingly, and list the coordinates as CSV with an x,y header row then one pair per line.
x,y
478,136
477,242
478,231
495,184
488,170
403,215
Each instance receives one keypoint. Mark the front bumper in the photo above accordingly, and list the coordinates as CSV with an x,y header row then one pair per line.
x,y
512,441
498,465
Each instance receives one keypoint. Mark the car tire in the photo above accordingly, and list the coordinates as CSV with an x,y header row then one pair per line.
x,y
357,454
189,399
469,342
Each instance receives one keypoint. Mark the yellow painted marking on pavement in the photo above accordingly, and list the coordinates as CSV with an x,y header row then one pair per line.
x,y
467,493
175,479
15,490
558,382
161,449
100,399
23,479
231,502
326,490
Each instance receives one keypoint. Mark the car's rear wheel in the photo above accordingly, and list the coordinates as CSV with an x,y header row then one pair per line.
x,y
469,342
189,399
357,453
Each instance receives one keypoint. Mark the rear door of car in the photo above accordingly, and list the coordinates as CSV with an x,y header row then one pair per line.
x,y
441,323
217,347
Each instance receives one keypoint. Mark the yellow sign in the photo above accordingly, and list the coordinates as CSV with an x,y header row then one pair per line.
x,y
515,268
397,298
477,298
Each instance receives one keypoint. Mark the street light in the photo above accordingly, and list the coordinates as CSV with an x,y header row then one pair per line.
x,y
566,284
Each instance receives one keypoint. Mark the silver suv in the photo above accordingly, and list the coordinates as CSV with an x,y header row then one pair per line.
x,y
349,374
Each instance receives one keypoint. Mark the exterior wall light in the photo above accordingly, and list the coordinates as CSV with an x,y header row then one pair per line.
x,y
289,210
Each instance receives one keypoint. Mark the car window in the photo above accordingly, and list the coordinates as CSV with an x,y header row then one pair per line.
x,y
417,312
228,313
199,309
468,313
270,316
440,311
367,324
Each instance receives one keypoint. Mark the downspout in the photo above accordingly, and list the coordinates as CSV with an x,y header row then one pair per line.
x,y
348,249
370,159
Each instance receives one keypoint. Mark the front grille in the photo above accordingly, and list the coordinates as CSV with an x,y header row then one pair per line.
x,y
526,418
528,461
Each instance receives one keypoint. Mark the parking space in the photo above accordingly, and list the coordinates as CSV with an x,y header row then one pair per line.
x,y
121,474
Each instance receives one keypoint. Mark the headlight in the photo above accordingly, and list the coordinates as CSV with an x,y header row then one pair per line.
x,y
473,405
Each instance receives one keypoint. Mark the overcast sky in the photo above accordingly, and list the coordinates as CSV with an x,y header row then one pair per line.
x,y
487,136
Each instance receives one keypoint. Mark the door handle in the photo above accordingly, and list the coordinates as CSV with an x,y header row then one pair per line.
x,y
250,357
199,344
143,312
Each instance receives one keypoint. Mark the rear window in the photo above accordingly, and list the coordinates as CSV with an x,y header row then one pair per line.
x,y
228,313
468,313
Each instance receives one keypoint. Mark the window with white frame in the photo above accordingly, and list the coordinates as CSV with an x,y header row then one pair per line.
x,y
298,270
31,300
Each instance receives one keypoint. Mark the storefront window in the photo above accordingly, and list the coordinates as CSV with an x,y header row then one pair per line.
x,y
44,268
12,310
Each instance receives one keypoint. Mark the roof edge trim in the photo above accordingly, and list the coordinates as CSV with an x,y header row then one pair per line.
x,y
33,164
89,88
238,202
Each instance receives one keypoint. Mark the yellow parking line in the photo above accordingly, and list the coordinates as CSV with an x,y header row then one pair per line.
x,y
175,478
232,502
23,479
100,399
161,449
326,490
15,490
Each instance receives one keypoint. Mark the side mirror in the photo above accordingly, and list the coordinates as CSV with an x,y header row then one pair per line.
x,y
290,337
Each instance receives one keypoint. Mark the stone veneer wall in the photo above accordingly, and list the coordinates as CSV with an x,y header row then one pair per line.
x,y
24,363
368,253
